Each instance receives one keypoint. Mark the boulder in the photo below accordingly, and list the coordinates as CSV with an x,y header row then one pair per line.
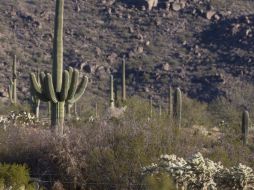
x,y
176,6
210,14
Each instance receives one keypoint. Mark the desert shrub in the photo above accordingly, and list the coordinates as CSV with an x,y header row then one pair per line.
x,y
15,176
195,113
7,108
109,153
223,110
160,181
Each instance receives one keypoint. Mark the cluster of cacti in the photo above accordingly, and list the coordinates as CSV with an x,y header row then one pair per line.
x,y
245,127
62,86
175,106
199,173
13,83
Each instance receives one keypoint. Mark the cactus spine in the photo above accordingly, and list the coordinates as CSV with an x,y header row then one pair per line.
x,y
178,107
63,87
170,103
13,86
123,81
245,127
112,101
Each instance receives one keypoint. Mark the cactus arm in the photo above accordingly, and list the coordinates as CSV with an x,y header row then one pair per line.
x,y
65,86
70,75
73,85
50,92
35,84
80,90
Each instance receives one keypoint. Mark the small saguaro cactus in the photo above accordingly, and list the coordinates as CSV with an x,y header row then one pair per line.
x,y
13,86
170,102
123,81
35,100
151,106
62,86
160,110
112,98
178,107
245,127
96,110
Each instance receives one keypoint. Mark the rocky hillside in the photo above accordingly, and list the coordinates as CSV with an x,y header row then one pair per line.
x,y
203,46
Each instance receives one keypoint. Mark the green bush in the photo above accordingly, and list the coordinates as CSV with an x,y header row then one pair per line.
x,y
159,181
16,176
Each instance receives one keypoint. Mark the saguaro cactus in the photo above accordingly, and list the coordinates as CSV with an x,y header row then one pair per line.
x,y
245,127
170,102
35,100
60,87
151,106
13,86
123,81
160,110
112,100
178,107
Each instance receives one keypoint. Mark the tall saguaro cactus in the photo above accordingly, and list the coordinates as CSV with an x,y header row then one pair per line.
x,y
13,86
62,86
170,102
178,107
112,99
123,81
245,127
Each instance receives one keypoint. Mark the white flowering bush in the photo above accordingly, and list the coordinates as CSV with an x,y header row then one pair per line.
x,y
198,173
22,118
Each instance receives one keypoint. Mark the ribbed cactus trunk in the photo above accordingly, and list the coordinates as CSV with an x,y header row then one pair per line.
x,y
245,127
178,107
123,81
112,101
57,109
170,103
